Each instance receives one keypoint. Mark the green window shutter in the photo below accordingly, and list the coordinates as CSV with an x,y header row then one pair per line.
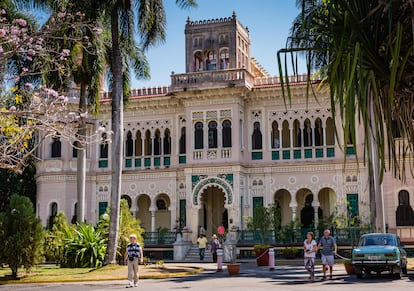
x,y
352,205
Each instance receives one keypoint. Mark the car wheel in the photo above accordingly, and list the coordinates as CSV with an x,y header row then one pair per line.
x,y
359,275
397,275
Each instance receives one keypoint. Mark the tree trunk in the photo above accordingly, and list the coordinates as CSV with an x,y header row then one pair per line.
x,y
375,189
81,157
117,137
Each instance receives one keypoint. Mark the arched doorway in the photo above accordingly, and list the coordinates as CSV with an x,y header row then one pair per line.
x,y
304,198
143,214
327,200
283,198
162,213
212,213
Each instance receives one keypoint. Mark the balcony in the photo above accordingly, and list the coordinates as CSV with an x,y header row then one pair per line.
x,y
211,79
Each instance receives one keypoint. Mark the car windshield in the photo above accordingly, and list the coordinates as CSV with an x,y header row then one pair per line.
x,y
377,241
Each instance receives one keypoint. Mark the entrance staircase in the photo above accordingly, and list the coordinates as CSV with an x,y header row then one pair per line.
x,y
192,255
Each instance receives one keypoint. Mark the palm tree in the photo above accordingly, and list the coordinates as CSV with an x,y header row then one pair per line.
x,y
149,18
363,51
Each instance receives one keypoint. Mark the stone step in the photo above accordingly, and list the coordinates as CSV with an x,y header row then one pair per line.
x,y
193,256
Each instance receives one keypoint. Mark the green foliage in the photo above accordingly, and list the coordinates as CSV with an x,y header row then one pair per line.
x,y
55,239
290,252
21,235
261,247
128,225
23,184
86,249
264,219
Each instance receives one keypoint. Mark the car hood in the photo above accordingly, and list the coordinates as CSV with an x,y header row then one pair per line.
x,y
374,249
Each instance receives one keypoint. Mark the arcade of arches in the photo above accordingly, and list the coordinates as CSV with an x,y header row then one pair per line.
x,y
304,205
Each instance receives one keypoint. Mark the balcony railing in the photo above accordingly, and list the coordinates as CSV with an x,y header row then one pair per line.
x,y
348,235
159,238
212,79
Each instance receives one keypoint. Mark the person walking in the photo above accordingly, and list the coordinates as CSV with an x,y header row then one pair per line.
x,y
133,255
310,249
329,248
214,246
202,244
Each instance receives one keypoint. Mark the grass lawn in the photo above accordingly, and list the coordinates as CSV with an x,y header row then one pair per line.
x,y
50,274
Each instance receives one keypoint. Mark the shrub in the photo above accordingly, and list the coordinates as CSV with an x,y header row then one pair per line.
x,y
86,249
127,224
290,252
55,239
21,235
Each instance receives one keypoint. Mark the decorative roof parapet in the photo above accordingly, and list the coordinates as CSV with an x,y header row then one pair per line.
x,y
210,21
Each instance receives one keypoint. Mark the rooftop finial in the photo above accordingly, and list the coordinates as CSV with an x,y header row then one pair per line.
x,y
188,20
234,15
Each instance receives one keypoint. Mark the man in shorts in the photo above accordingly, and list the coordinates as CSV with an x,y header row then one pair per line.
x,y
329,248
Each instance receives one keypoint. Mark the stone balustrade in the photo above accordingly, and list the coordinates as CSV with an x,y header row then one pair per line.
x,y
211,79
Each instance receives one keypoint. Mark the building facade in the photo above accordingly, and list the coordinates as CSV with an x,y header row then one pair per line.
x,y
220,140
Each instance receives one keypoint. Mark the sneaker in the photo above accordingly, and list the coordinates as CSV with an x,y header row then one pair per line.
x,y
330,277
324,278
136,285
130,285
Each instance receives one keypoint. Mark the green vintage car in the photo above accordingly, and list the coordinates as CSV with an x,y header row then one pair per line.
x,y
379,252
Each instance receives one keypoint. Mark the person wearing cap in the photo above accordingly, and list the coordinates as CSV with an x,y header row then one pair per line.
x,y
214,246
329,248
133,255
310,249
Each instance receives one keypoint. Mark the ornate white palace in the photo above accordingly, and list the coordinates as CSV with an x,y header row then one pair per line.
x,y
218,141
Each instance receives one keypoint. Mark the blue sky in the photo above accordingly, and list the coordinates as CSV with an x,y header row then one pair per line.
x,y
268,21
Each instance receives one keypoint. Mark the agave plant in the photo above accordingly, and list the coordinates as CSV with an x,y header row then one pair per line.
x,y
86,249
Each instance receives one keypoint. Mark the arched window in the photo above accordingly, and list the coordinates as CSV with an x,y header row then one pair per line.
x,y
297,134
157,143
226,134
182,141
275,139
307,133
211,62
103,147
224,59
53,213
285,134
161,204
404,214
318,131
128,200
198,136
212,135
148,144
138,144
75,147
330,135
56,147
129,145
256,137
167,142
198,61
75,214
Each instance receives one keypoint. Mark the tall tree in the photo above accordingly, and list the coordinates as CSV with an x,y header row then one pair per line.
x,y
363,51
85,68
148,16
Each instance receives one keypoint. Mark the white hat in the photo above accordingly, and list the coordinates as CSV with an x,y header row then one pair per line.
x,y
132,236
214,236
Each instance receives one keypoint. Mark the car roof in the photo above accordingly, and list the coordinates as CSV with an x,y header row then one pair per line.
x,y
379,234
